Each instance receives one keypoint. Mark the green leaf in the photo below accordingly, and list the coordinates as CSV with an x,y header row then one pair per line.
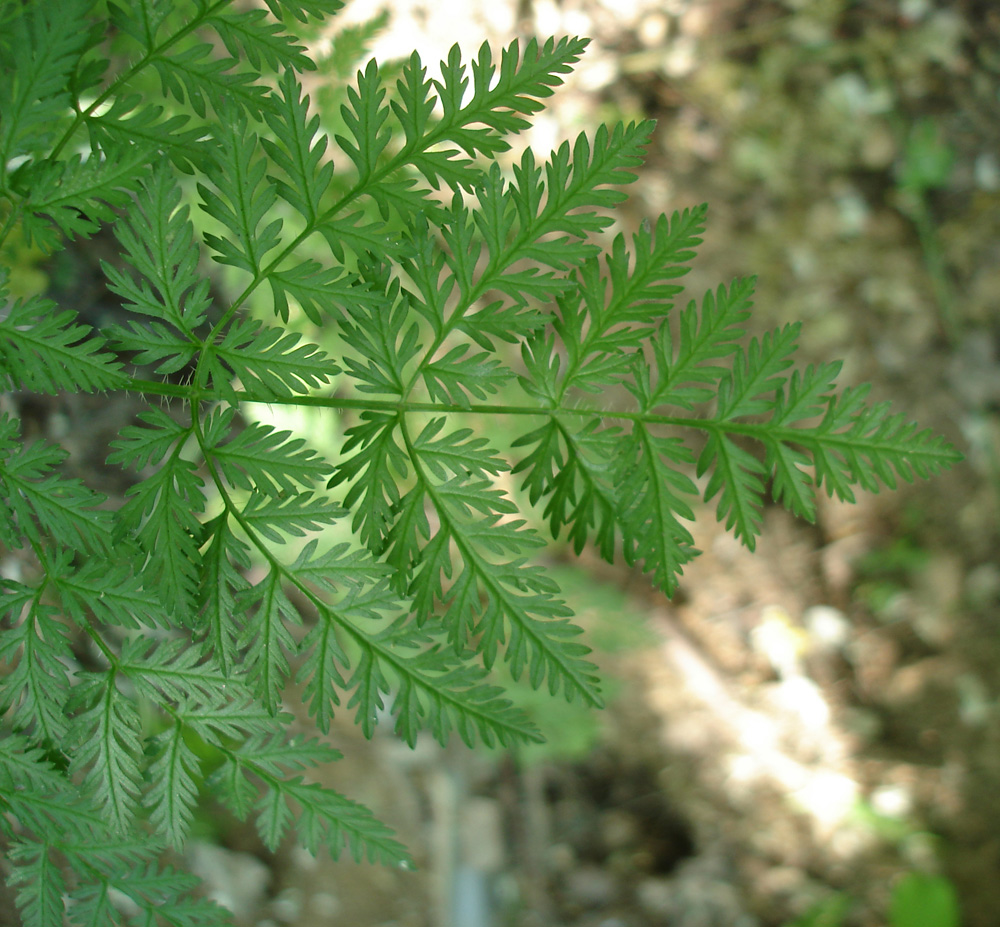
x,y
500,101
328,820
75,196
175,672
297,149
686,368
318,290
198,77
157,894
161,513
791,482
271,517
326,660
456,698
655,496
41,503
303,9
215,594
924,901
583,493
140,447
756,372
270,363
109,592
225,719
597,326
262,459
414,109
158,239
154,343
373,471
44,49
459,375
247,34
365,119
106,738
325,817
737,478
337,568
242,197
267,638
456,452
174,794
40,884
321,674
874,448
130,120
43,350
382,337
496,598
222,581
36,648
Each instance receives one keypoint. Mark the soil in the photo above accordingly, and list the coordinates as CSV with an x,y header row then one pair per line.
x,y
809,720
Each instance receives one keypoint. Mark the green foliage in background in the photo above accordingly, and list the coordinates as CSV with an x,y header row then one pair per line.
x,y
141,636
917,900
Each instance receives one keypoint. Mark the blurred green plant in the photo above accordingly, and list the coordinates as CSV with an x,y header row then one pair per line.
x,y
886,572
920,900
830,912
926,165
917,900
26,263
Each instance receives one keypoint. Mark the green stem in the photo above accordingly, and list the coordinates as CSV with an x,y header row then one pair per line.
x,y
402,407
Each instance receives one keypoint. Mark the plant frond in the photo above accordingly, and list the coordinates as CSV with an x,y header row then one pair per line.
x,y
460,320
42,349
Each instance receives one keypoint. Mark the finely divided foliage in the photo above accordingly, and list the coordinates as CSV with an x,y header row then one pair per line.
x,y
152,648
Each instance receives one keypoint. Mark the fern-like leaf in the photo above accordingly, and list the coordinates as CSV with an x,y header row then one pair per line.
x,y
39,884
247,34
298,150
174,792
40,47
72,198
35,646
382,263
158,239
326,818
106,737
42,349
241,198
41,503
267,638
268,361
263,459
162,514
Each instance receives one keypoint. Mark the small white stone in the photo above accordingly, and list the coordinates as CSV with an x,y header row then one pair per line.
x,y
892,801
828,627
653,29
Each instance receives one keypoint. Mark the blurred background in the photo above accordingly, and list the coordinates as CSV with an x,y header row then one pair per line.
x,y
805,736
